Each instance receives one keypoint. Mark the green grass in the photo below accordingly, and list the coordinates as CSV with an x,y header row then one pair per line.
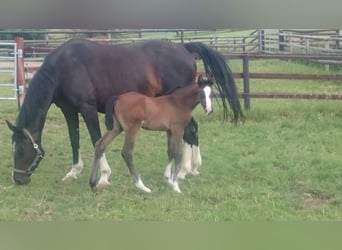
x,y
282,164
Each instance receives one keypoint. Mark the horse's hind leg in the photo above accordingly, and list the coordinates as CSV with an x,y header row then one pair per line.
x,y
127,154
73,128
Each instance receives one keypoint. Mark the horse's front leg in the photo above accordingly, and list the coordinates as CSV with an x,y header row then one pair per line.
x,y
73,128
192,159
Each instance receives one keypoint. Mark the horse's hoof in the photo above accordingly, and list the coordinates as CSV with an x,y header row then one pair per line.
x,y
194,173
146,190
181,175
102,185
68,178
176,188
139,184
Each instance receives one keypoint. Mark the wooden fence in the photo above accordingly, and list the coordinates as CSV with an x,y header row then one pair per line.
x,y
244,47
225,41
246,75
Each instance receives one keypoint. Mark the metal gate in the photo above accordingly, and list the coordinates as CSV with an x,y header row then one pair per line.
x,y
8,71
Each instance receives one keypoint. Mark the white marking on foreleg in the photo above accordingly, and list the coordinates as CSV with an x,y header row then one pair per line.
x,y
186,162
167,173
105,172
196,160
175,186
139,184
75,171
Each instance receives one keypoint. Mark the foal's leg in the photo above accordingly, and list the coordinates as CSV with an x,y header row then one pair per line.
x,y
100,147
73,128
127,154
175,151
168,169
91,119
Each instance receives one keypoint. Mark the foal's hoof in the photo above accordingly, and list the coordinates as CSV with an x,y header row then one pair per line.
x,y
139,184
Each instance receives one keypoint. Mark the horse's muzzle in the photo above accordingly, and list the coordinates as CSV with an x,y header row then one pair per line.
x,y
209,111
21,179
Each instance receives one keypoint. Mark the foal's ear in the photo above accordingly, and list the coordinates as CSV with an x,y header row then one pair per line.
x,y
204,82
12,127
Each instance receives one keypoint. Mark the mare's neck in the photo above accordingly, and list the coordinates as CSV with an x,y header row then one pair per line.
x,y
37,102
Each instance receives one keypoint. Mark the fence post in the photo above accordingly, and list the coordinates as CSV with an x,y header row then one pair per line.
x,y
338,41
327,47
21,85
262,40
246,94
281,41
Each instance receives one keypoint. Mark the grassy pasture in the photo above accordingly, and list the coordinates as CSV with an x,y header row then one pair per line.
x,y
282,164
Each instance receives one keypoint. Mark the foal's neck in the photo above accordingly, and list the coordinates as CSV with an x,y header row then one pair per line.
x,y
189,96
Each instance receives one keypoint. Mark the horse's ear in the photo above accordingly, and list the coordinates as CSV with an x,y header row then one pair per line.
x,y
211,80
200,79
12,127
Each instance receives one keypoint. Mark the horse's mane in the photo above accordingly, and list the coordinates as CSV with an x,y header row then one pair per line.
x,y
38,99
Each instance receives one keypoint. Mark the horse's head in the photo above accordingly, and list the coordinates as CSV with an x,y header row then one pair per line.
x,y
206,94
26,154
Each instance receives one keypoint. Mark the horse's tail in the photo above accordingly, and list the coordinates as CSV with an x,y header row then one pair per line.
x,y
109,112
216,66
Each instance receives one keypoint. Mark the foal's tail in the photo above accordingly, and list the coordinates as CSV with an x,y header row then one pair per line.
x,y
109,112
216,66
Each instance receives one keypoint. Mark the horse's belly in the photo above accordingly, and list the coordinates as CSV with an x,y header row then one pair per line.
x,y
155,125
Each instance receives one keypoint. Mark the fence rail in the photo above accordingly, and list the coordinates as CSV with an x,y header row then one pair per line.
x,y
258,44
246,75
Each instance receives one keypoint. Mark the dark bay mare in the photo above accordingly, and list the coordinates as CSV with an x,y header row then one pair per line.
x,y
81,75
170,113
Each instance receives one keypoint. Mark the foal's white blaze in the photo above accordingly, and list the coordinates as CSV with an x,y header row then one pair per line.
x,y
207,92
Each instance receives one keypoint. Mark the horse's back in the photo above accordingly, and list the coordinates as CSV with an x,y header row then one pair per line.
x,y
88,72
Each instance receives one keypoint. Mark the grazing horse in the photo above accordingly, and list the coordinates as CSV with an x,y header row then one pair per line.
x,y
80,75
170,113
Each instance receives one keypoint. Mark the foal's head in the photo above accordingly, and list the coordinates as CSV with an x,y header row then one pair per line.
x,y
206,94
